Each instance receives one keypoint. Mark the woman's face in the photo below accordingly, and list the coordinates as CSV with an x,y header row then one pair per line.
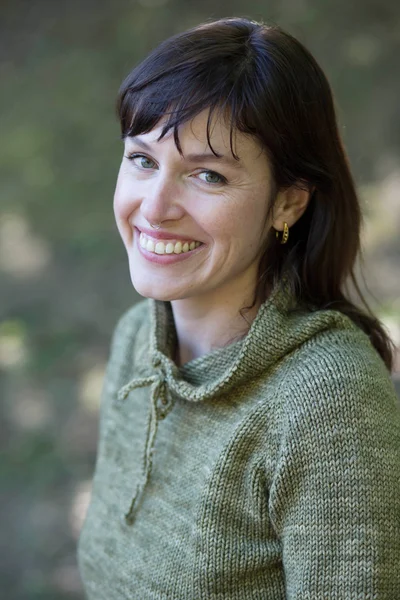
x,y
218,203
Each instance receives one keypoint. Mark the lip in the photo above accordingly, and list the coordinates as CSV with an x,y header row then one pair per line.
x,y
161,234
164,259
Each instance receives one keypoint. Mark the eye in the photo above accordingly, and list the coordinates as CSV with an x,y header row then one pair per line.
x,y
212,177
141,161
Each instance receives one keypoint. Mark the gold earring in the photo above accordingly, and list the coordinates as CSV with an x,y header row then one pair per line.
x,y
285,234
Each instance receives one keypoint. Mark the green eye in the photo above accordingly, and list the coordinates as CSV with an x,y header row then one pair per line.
x,y
211,177
141,161
146,163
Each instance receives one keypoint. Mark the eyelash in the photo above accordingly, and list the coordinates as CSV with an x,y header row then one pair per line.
x,y
223,179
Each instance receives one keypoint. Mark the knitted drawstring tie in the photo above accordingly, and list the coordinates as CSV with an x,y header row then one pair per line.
x,y
158,410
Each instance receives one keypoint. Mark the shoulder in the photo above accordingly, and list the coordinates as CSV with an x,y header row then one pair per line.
x,y
338,375
339,417
127,341
133,323
132,318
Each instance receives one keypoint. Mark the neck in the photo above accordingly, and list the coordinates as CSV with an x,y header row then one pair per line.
x,y
203,325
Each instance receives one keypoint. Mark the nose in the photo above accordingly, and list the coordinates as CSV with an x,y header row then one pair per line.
x,y
162,200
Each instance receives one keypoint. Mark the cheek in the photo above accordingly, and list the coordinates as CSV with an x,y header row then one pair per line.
x,y
123,209
223,216
124,203
241,229
234,222
118,204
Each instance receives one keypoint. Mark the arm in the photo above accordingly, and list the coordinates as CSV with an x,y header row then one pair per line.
x,y
335,498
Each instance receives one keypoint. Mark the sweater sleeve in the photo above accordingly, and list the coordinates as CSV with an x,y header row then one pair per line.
x,y
335,495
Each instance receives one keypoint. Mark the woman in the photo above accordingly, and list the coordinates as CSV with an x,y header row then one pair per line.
x,y
249,435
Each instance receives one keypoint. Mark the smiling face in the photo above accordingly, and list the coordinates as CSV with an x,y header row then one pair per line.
x,y
217,206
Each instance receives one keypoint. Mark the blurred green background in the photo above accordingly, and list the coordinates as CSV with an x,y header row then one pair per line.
x,y
64,278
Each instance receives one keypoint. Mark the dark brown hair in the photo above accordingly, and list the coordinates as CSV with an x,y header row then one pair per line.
x,y
268,85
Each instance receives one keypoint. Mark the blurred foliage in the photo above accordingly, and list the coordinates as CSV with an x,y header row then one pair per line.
x,y
64,275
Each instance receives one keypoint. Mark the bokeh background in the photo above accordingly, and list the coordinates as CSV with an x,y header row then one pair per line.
x,y
64,278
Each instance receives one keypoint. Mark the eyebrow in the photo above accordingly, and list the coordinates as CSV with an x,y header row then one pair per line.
x,y
229,160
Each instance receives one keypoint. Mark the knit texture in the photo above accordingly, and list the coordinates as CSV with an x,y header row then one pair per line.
x,y
265,470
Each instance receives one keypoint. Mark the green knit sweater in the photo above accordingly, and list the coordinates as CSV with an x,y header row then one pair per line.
x,y
265,470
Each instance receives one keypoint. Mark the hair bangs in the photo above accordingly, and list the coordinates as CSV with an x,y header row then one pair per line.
x,y
142,107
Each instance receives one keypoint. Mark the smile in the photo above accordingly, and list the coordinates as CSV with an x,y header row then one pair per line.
x,y
166,247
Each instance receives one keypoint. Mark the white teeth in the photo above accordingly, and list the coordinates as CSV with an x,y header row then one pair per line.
x,y
166,248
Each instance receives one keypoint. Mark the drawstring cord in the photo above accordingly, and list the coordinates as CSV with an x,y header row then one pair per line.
x,y
158,391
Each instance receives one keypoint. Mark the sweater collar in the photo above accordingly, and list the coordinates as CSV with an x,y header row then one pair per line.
x,y
275,332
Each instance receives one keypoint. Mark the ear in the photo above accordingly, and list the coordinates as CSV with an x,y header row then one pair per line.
x,y
289,206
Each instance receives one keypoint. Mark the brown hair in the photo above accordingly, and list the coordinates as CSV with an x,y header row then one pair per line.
x,y
270,86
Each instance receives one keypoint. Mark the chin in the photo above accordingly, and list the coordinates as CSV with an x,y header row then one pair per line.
x,y
148,290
